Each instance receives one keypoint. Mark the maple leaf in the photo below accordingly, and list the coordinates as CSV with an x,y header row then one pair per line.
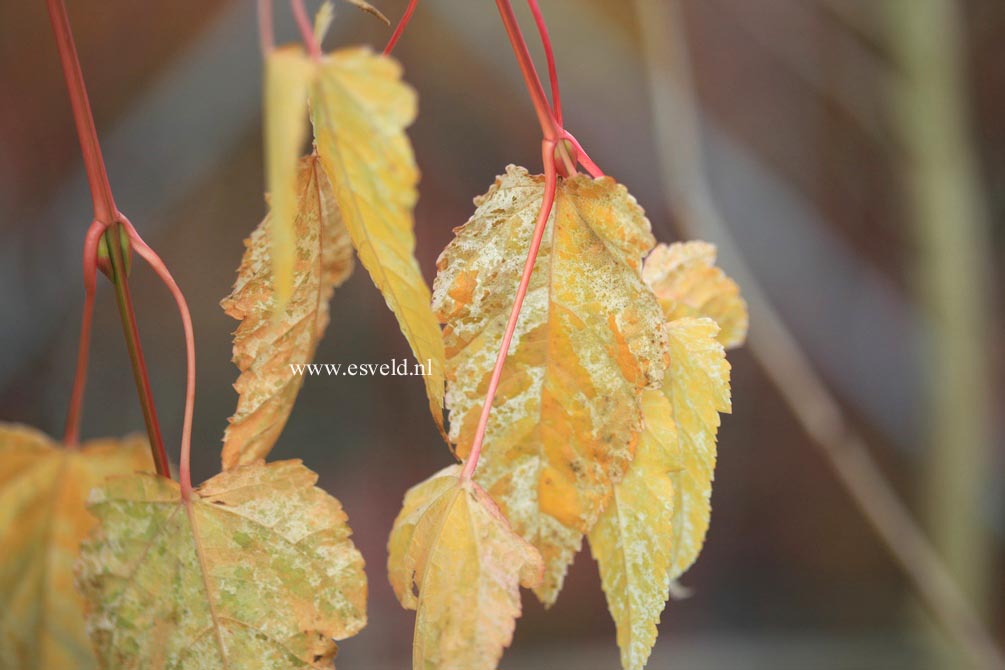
x,y
360,108
288,76
685,279
43,487
267,342
256,570
590,339
656,522
454,559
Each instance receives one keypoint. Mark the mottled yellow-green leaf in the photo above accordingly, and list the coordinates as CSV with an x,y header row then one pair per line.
x,y
288,76
684,277
454,559
257,570
590,339
631,541
360,108
655,524
268,342
43,487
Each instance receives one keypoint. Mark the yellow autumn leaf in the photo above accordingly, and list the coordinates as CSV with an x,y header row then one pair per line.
x,y
454,559
360,108
697,385
256,570
655,524
685,278
288,76
631,542
43,488
267,343
590,339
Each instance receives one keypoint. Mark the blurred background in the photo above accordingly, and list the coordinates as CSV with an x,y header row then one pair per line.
x,y
853,151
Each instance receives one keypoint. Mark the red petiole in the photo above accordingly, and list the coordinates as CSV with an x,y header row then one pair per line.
x,y
107,222
550,187
542,29
400,29
306,29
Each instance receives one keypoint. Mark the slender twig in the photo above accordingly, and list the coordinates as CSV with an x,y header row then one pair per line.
x,y
106,216
266,32
550,127
306,29
94,163
131,333
400,29
549,55
779,354
547,201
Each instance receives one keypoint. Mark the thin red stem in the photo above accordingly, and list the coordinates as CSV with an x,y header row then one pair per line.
x,y
155,262
549,125
94,163
547,202
266,32
550,128
400,29
71,435
106,216
306,29
542,29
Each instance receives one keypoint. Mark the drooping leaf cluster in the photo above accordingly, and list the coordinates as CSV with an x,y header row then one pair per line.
x,y
605,420
603,426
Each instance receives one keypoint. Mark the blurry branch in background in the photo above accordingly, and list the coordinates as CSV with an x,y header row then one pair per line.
x,y
928,104
775,349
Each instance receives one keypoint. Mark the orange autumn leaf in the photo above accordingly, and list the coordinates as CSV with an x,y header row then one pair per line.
x,y
454,559
256,570
590,340
268,342
43,488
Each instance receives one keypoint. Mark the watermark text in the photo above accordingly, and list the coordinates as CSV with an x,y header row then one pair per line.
x,y
395,368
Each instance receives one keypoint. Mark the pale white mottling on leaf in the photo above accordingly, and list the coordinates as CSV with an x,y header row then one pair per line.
x,y
590,339
266,343
256,571
454,559
43,489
